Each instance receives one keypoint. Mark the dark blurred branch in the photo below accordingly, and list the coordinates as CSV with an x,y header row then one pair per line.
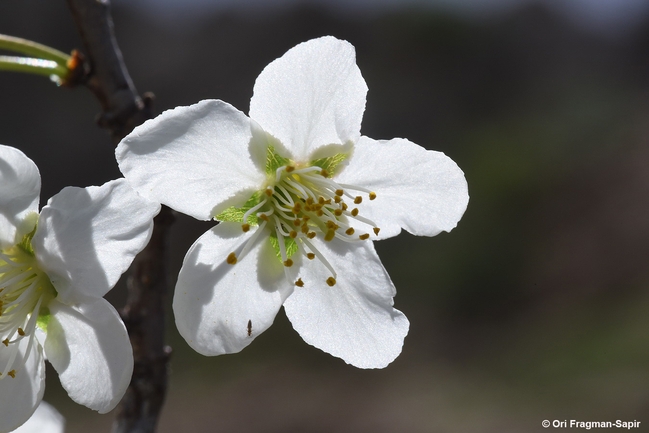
x,y
107,77
123,109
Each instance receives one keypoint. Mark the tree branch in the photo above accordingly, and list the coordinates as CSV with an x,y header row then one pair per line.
x,y
122,109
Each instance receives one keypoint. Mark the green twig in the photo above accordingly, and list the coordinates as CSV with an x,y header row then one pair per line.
x,y
32,66
32,49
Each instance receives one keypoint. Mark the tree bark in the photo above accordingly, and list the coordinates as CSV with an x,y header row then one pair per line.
x,y
105,74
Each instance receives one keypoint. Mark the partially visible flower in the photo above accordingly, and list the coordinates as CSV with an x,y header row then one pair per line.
x,y
55,269
46,419
300,195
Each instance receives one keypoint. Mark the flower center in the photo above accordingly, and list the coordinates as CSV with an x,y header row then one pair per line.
x,y
25,291
299,204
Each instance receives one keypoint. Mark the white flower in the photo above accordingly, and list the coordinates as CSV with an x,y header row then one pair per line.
x,y
300,195
46,419
55,269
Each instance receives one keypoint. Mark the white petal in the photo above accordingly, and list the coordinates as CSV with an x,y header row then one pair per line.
x,y
420,190
19,396
191,158
353,320
89,348
311,96
87,237
46,419
19,194
214,301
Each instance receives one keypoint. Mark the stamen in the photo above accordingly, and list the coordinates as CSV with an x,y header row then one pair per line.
x,y
358,199
245,227
232,259
299,282
331,281
364,236
372,195
376,230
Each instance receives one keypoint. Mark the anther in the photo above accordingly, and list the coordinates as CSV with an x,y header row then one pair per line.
x,y
21,332
358,199
339,192
330,235
355,211
310,235
332,225
289,168
288,263
338,212
349,231
297,222
269,192
6,342
232,259
324,173
299,282
263,216
331,281
376,230
12,373
310,256
337,199
245,227
372,195
364,236
304,229
293,234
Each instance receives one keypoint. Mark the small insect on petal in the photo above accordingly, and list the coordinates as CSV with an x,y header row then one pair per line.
x,y
249,328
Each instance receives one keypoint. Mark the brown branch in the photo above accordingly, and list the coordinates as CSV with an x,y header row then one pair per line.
x,y
122,109
107,77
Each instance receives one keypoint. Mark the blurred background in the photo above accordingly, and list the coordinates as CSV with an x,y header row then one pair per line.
x,y
533,308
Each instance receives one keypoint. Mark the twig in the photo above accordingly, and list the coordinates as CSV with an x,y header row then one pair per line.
x,y
123,109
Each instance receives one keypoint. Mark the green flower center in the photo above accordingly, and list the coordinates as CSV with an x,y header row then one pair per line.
x,y
25,292
299,203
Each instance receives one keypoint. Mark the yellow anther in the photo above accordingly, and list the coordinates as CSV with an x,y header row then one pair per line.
x,y
12,373
355,211
5,342
332,225
338,212
299,282
364,236
297,208
358,199
331,281
232,259
349,231
310,235
309,200
321,200
245,227
372,195
330,235
263,216
310,256
324,173
344,206
339,192
337,199
297,222
269,192
288,263
21,332
319,212
305,218
376,230
304,229
289,168
293,234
